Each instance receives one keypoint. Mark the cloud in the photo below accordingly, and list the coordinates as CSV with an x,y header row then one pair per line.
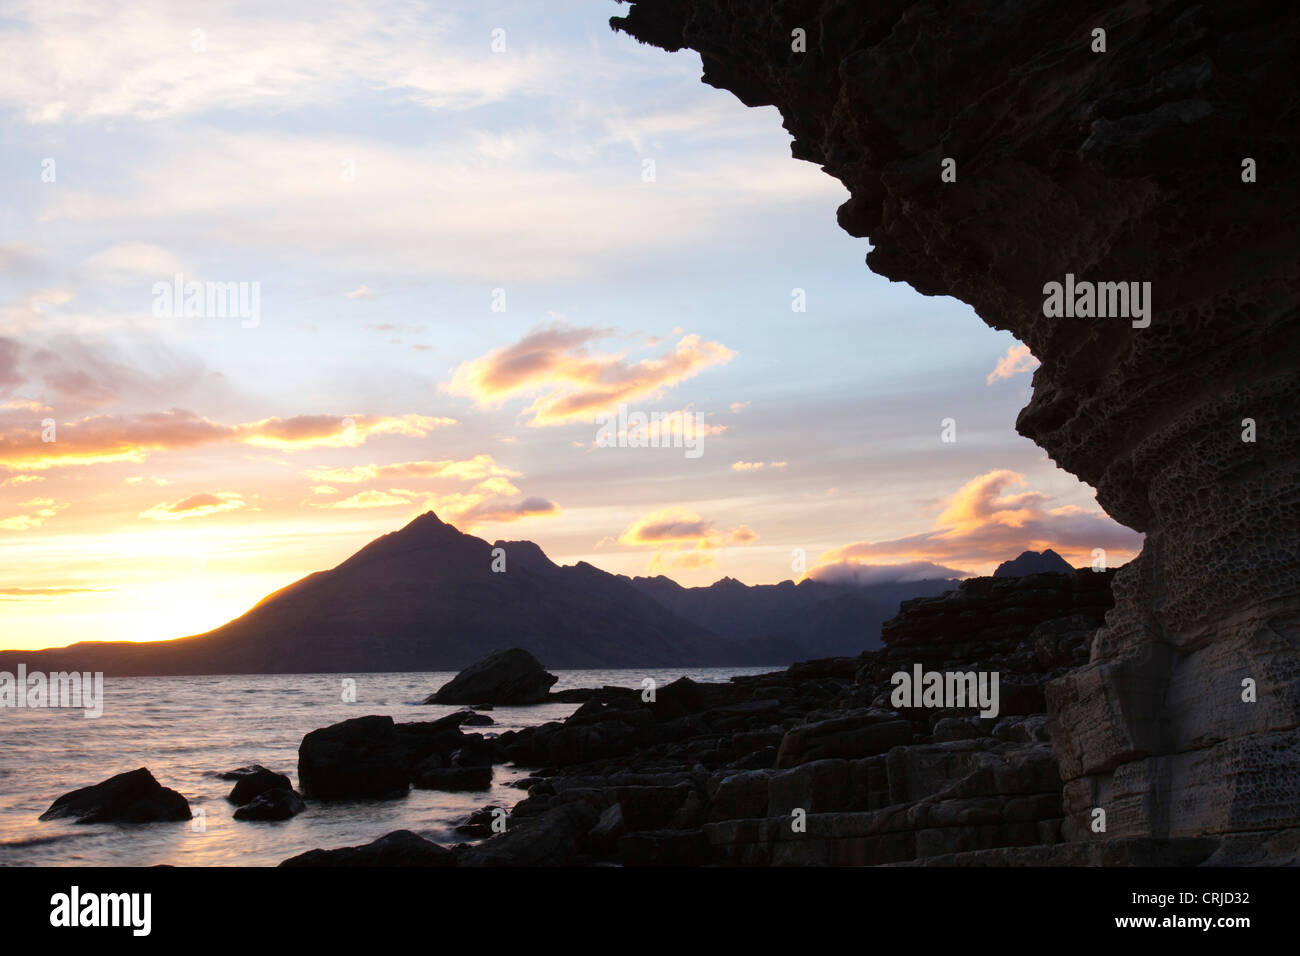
x,y
499,510
472,469
49,592
36,511
196,506
109,438
85,61
373,499
330,431
361,292
738,407
1017,360
89,372
983,524
849,572
126,259
681,538
488,501
571,383
757,465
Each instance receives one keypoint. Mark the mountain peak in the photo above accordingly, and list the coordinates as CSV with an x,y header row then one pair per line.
x,y
1034,562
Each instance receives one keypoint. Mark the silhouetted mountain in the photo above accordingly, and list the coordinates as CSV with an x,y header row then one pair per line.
x,y
1034,562
788,621
427,598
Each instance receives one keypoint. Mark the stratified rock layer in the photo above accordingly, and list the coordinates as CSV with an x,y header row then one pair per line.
x,y
1124,165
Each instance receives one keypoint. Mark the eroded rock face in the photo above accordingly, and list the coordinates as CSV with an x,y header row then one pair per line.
x,y
1124,166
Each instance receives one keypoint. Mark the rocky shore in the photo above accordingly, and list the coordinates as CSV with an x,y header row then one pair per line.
x,y
813,765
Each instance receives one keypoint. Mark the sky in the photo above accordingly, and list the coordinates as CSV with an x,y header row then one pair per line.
x,y
277,278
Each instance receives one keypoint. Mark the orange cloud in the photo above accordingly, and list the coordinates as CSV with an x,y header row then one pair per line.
x,y
109,438
571,383
757,465
681,538
373,499
330,431
982,525
472,469
1017,360
195,506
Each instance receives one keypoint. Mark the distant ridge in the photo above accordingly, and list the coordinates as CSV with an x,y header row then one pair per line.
x,y
425,597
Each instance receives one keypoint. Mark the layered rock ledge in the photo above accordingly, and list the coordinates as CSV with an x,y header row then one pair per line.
x,y
819,764
1168,158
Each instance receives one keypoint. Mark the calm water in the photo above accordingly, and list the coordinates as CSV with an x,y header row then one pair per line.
x,y
187,729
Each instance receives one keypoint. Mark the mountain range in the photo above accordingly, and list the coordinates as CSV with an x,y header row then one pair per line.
x,y
426,597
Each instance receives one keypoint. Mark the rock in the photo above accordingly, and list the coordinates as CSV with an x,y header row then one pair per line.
x,y
371,757
551,838
479,823
859,735
477,720
239,772
511,677
132,797
581,695
399,848
684,696
664,848
741,796
277,804
254,782
960,728
454,778
474,751
605,834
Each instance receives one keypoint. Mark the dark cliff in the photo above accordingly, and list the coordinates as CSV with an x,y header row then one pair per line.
x,y
1168,158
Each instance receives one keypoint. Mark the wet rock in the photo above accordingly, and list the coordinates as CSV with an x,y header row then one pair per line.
x,y
132,797
371,757
277,804
254,782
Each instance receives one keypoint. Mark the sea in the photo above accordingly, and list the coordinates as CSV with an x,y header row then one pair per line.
x,y
187,730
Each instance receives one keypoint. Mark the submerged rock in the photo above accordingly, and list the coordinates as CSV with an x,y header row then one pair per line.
x,y
512,677
132,797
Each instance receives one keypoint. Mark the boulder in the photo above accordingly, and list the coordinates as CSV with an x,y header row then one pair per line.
x,y
132,797
552,838
399,848
371,757
256,781
453,778
277,804
512,677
